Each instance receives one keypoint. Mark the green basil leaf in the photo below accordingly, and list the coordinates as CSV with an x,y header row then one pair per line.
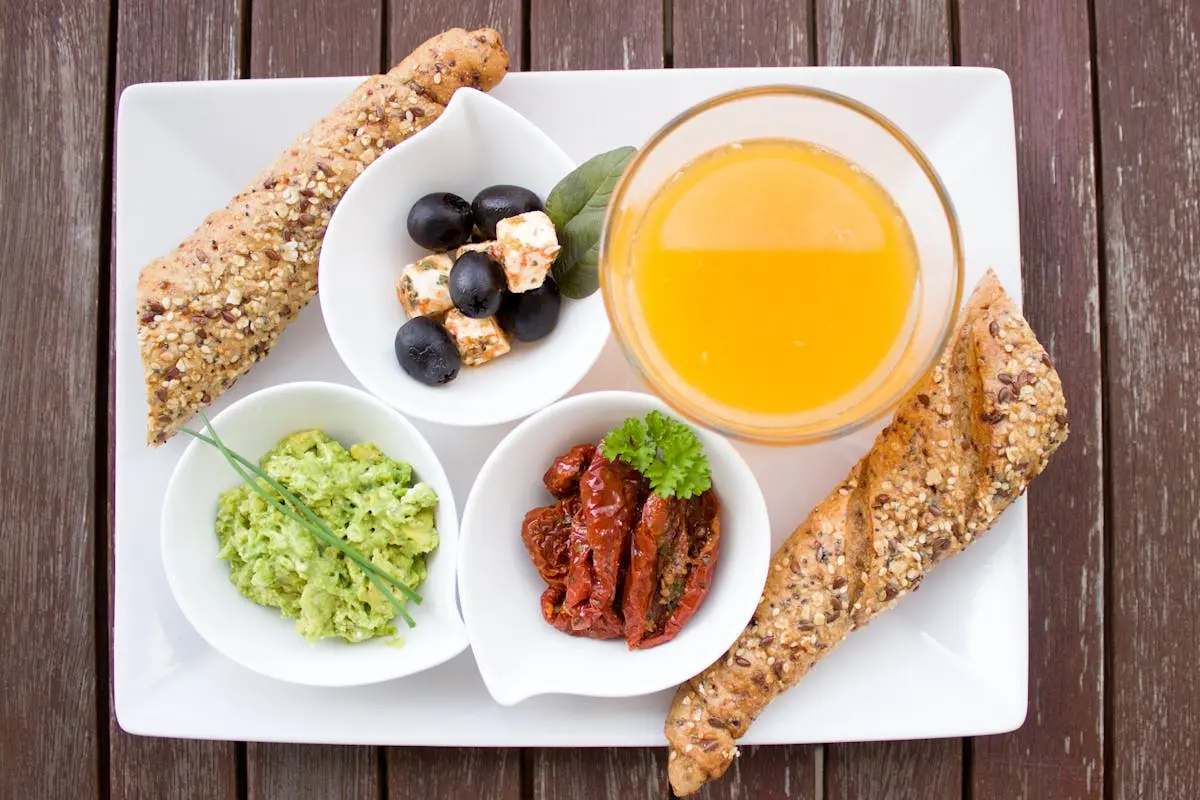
x,y
577,268
576,206
589,184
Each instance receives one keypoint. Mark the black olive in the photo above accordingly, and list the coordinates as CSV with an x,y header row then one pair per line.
x,y
501,202
477,284
529,316
507,315
426,351
440,221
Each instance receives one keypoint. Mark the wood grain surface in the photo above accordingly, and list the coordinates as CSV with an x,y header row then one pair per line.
x,y
921,770
1148,62
607,773
741,33
425,773
787,772
300,38
53,58
193,41
876,33
199,40
312,772
882,32
596,34
1045,50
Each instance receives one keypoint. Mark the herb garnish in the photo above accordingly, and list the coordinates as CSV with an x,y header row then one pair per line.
x,y
576,206
663,449
295,509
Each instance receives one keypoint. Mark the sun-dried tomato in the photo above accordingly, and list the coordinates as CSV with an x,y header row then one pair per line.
x,y
562,479
579,621
676,544
619,564
545,532
609,495
662,519
579,559
552,609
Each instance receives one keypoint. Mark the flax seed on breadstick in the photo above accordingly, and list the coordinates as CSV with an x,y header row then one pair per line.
x,y
964,443
211,308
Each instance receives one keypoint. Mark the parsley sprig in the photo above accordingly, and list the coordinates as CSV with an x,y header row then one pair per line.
x,y
663,449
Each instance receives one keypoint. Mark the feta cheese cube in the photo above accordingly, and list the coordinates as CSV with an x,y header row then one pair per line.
x,y
528,246
478,340
479,247
424,287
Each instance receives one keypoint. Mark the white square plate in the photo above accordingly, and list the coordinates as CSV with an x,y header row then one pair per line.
x,y
184,149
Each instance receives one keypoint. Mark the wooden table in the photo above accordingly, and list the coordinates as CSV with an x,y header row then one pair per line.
x,y
1108,123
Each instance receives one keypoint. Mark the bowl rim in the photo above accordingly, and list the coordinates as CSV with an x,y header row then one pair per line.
x,y
755,504
445,495
796,434
571,370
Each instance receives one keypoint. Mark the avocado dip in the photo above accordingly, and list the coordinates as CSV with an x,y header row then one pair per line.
x,y
363,496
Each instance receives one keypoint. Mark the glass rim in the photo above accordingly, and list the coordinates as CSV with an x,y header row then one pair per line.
x,y
810,432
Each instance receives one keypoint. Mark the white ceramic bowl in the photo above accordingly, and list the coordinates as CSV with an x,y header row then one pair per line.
x,y
255,636
518,653
478,142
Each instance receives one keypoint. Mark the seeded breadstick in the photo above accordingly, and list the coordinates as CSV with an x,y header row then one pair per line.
x,y
216,304
962,446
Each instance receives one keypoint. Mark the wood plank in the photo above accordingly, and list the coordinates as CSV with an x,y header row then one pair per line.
x,y
565,35
608,773
1148,62
713,33
419,773
298,38
874,33
1045,50
767,773
412,23
745,33
54,57
194,41
429,773
917,770
190,41
151,769
882,32
311,772
295,38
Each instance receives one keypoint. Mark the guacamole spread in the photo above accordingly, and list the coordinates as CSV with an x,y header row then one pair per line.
x,y
363,496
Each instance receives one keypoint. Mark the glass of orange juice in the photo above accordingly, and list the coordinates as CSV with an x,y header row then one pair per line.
x,y
781,263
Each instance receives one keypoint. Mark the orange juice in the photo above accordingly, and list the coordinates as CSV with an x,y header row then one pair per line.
x,y
774,278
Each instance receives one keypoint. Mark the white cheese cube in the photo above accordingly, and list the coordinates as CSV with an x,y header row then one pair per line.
x,y
490,248
478,340
424,287
528,246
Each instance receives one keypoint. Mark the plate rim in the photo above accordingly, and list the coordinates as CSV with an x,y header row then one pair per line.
x,y
136,717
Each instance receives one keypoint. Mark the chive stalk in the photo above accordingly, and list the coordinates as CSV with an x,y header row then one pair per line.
x,y
309,521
